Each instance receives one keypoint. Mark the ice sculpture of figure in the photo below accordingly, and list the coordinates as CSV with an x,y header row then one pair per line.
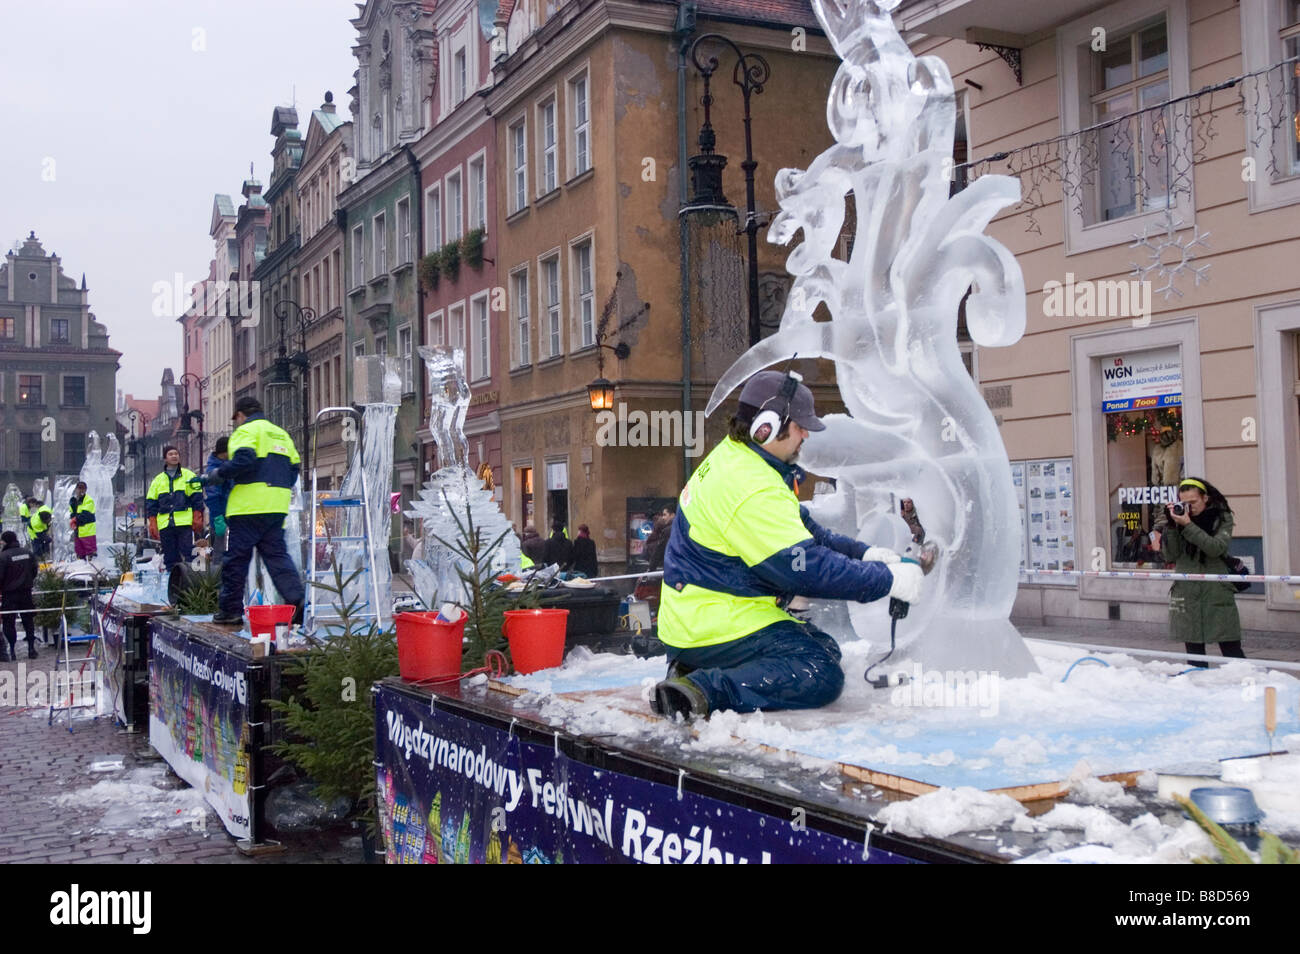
x,y
13,520
918,426
454,489
64,551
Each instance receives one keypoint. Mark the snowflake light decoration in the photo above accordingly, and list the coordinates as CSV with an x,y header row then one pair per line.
x,y
1169,272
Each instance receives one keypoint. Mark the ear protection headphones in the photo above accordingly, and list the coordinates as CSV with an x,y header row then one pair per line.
x,y
768,421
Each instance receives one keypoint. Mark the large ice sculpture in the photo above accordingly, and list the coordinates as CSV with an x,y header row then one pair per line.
x,y
377,386
97,471
64,551
918,426
454,491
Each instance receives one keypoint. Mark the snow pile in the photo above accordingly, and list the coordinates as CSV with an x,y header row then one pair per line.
x,y
948,811
585,670
138,805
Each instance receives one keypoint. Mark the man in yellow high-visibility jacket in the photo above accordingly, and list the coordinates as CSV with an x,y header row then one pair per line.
x,y
741,548
38,527
264,467
175,508
82,507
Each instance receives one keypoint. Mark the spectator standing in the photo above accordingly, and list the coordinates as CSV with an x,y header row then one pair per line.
x,y
558,548
17,576
584,553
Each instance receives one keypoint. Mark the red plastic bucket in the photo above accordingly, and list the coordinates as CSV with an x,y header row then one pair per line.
x,y
262,619
427,647
536,638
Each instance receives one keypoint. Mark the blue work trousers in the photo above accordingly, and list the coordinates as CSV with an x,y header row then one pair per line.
x,y
265,533
783,666
177,545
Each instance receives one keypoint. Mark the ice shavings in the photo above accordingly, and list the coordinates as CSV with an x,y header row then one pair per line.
x,y
587,671
137,805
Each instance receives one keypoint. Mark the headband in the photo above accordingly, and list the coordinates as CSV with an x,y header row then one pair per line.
x,y
1193,483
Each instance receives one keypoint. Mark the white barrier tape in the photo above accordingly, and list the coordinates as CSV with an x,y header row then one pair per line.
x,y
1167,575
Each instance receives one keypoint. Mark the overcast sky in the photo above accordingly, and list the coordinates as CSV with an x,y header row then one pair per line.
x,y
147,108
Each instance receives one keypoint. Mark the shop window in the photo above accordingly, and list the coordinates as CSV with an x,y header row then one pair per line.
x,y
1142,406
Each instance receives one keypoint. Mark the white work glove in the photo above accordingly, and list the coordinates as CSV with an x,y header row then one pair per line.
x,y
907,581
880,555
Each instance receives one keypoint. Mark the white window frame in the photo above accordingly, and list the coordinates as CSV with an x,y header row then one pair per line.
x,y
405,357
456,325
381,345
551,313
579,126
433,217
579,296
1074,67
437,329
454,207
480,337
548,153
518,171
359,348
1261,46
521,318
379,242
358,257
404,231
477,176
459,76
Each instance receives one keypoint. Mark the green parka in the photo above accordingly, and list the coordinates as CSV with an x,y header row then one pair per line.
x,y
1201,611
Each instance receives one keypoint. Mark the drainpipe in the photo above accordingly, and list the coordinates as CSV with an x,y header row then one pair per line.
x,y
417,335
682,31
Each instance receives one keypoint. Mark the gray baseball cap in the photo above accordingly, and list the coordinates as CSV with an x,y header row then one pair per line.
x,y
763,392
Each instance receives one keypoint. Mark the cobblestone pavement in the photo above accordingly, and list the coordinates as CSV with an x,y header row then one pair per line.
x,y
55,808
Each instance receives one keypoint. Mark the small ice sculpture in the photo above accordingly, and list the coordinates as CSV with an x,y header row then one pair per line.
x,y
64,551
13,520
454,492
918,426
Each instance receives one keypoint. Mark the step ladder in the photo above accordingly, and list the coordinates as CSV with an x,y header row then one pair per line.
x,y
333,514
71,694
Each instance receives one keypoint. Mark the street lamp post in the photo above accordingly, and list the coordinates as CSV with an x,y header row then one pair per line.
x,y
136,447
287,309
751,72
186,413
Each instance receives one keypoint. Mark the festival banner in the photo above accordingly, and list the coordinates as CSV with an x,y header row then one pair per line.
x,y
198,720
452,790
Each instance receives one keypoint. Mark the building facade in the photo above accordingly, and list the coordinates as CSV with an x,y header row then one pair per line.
x,y
58,376
597,109
252,224
327,156
380,209
1156,147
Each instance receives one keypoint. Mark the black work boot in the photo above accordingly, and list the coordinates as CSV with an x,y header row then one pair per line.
x,y
31,648
682,697
678,670
222,618
7,652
